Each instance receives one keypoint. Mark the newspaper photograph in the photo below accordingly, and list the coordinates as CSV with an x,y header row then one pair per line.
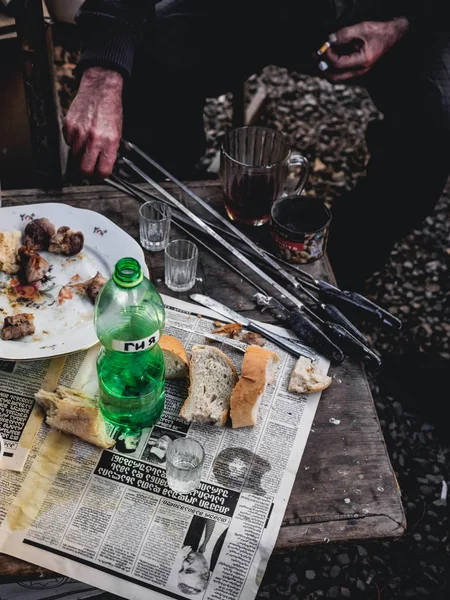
x,y
107,518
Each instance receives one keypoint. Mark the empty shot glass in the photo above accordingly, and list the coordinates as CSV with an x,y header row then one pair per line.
x,y
154,225
184,464
181,258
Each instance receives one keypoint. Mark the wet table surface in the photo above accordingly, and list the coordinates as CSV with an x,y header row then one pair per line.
x,y
345,489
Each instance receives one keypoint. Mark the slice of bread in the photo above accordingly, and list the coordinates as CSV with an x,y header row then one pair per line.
x,y
307,378
175,357
257,373
213,378
70,411
9,243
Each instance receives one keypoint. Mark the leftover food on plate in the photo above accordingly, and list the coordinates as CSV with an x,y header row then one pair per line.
x,y
33,267
70,411
67,242
212,379
257,372
18,326
37,234
90,288
9,242
41,234
31,270
93,286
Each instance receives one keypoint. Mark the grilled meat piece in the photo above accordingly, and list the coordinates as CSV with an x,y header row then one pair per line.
x,y
67,242
37,234
250,337
93,286
231,330
18,326
33,266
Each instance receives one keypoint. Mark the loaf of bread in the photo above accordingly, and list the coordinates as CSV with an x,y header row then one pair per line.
x,y
212,379
307,378
257,373
70,411
9,243
175,357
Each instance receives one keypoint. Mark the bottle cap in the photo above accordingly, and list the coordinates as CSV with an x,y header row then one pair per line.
x,y
127,273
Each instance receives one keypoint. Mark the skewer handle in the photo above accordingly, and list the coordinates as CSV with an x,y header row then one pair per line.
x,y
329,312
309,333
352,346
356,304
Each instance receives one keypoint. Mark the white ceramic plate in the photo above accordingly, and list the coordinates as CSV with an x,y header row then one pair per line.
x,y
68,327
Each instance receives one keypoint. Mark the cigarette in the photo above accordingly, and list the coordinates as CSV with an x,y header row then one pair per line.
x,y
323,48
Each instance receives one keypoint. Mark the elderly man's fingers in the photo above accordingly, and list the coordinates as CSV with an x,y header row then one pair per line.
x,y
89,160
344,62
105,164
344,76
347,34
78,142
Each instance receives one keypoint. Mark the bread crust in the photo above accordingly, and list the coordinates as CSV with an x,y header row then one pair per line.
x,y
71,412
310,379
251,385
224,415
171,344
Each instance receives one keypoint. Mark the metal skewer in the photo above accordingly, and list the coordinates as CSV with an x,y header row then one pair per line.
x,y
347,299
287,276
306,330
207,229
339,329
291,346
327,311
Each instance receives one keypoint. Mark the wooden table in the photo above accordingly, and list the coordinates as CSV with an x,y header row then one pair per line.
x,y
345,489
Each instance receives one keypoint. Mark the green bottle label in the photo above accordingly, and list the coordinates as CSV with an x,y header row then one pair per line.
x,y
136,345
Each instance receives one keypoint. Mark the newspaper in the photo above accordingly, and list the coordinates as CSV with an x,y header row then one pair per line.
x,y
107,517
57,588
20,417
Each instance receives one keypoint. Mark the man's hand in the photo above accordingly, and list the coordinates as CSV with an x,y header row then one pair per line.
x,y
93,124
370,40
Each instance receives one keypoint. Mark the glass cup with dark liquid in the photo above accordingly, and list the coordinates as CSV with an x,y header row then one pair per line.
x,y
254,166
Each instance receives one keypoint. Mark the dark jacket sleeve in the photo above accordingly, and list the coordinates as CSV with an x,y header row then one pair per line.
x,y
431,15
423,15
109,31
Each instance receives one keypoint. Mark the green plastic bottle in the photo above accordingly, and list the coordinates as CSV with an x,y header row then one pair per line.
x,y
129,319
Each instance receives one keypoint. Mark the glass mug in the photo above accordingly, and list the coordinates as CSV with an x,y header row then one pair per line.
x,y
254,166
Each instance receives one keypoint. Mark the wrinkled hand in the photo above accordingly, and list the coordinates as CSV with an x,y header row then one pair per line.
x,y
370,40
93,124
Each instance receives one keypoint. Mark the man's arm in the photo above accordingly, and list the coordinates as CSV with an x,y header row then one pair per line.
x,y
93,124
370,40
378,27
109,31
422,15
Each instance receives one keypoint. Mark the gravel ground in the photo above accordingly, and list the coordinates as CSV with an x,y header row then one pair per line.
x,y
327,124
